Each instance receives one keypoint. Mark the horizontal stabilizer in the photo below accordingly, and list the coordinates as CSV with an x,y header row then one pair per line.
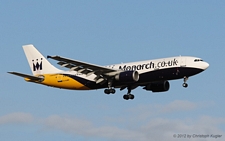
x,y
32,78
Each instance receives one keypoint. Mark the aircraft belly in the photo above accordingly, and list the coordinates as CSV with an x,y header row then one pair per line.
x,y
168,74
63,81
85,82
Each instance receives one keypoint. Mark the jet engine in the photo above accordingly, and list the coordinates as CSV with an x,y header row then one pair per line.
x,y
161,86
127,76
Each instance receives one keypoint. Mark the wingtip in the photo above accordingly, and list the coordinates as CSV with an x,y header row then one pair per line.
x,y
49,56
52,56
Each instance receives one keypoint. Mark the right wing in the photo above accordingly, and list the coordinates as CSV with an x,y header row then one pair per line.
x,y
80,66
27,77
86,68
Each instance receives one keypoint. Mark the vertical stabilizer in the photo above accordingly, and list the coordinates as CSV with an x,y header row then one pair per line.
x,y
37,62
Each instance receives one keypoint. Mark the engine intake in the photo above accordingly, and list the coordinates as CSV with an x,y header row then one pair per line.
x,y
161,86
127,76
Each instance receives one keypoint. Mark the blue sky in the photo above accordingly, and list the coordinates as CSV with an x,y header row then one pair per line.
x,y
103,33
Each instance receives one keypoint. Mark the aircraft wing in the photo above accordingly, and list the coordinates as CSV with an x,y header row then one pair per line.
x,y
86,68
26,76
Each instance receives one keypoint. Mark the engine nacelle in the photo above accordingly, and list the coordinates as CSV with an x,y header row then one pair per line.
x,y
161,86
127,76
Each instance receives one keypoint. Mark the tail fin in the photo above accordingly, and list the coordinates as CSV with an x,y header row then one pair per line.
x,y
38,63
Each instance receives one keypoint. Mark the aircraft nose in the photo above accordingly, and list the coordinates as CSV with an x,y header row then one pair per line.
x,y
205,65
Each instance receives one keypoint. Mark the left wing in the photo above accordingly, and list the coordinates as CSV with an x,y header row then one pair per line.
x,y
86,68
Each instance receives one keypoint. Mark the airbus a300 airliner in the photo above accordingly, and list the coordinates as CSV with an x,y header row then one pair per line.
x,y
152,75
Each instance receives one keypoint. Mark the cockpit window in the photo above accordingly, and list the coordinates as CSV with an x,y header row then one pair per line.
x,y
198,60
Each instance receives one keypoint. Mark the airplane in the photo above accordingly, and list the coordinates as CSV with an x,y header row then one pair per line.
x,y
152,75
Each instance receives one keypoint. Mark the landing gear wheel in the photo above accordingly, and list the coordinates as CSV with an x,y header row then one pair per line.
x,y
107,91
126,97
185,85
112,91
131,96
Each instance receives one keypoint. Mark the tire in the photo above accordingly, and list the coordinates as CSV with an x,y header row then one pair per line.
x,y
131,96
126,97
107,91
185,85
113,91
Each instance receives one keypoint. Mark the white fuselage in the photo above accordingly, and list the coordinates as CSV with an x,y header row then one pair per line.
x,y
184,62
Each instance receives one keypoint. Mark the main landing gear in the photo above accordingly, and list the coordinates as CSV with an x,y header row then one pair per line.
x,y
185,85
128,95
110,89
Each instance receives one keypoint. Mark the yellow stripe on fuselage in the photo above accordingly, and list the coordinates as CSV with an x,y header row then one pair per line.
x,y
62,81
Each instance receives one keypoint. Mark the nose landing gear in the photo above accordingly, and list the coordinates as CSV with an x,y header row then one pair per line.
x,y
185,85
